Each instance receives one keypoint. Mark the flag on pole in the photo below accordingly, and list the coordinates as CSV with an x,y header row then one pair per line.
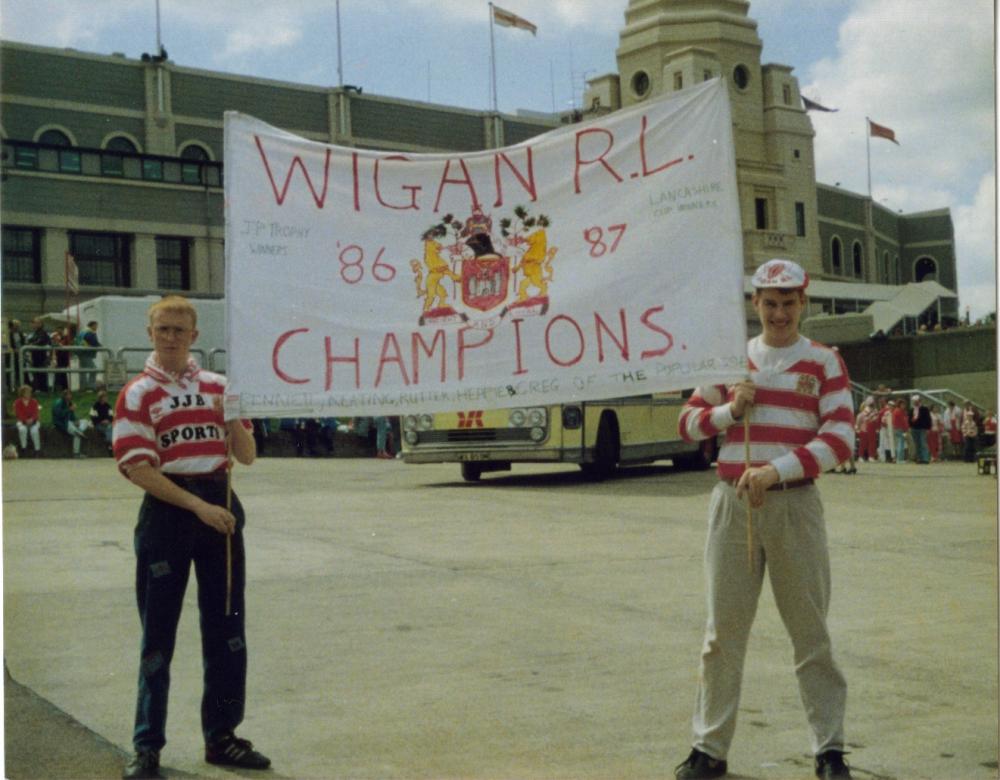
x,y
507,19
812,105
72,275
880,131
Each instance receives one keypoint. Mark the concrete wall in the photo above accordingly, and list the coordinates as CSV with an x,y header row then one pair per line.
x,y
963,360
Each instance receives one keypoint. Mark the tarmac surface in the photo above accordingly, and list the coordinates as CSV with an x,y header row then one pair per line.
x,y
404,624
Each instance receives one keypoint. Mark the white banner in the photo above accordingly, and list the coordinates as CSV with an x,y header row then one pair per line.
x,y
598,260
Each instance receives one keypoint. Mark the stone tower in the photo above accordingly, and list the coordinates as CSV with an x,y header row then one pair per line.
x,y
667,45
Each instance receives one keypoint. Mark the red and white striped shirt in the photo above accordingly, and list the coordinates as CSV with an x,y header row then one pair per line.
x,y
170,421
802,419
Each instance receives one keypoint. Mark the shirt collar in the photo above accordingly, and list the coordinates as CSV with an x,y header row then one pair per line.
x,y
158,372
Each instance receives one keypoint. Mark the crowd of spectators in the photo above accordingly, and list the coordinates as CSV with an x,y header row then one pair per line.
x,y
893,429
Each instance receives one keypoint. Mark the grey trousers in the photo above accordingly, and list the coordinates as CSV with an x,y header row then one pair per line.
x,y
789,542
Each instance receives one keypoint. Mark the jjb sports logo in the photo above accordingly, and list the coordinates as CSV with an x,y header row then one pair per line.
x,y
476,277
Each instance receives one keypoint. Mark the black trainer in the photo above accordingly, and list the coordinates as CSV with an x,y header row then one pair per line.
x,y
230,750
700,766
830,765
144,765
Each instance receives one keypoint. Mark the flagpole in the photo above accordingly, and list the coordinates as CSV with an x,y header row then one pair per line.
x,y
493,63
340,60
868,145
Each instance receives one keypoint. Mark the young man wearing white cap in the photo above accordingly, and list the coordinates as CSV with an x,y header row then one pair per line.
x,y
801,423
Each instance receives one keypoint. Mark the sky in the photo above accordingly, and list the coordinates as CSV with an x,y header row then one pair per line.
x,y
924,68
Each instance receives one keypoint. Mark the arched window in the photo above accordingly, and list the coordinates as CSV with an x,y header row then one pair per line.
x,y
925,270
120,144
69,161
54,138
194,152
885,268
192,170
837,255
113,161
856,252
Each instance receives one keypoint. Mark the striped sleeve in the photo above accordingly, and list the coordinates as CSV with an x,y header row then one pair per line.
x,y
834,441
705,414
132,434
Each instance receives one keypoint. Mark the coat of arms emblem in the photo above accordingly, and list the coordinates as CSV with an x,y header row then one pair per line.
x,y
472,275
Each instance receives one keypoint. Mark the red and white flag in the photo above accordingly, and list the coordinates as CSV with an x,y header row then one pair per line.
x,y
507,19
880,131
72,275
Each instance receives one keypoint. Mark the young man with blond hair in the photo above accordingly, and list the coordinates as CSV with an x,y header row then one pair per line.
x,y
800,424
172,441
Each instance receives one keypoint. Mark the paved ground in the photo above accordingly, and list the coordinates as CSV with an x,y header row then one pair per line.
x,y
403,624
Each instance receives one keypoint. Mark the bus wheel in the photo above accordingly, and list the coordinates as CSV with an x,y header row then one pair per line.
x,y
701,459
605,450
471,472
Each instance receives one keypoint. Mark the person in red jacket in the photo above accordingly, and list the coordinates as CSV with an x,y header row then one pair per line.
x,y
26,412
866,427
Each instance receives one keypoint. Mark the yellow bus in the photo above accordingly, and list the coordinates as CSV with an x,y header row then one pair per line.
x,y
598,435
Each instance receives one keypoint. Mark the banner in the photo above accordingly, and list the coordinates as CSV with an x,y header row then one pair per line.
x,y
598,260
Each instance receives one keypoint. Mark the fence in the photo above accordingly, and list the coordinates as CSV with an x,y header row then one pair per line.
x,y
88,372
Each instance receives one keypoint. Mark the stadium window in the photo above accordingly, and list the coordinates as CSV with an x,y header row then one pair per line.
x,y
800,218
836,252
173,271
69,160
26,157
678,81
760,211
113,158
102,258
152,169
857,254
786,94
885,268
22,255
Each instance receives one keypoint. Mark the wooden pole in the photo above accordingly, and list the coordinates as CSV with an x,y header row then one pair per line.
x,y
229,537
746,459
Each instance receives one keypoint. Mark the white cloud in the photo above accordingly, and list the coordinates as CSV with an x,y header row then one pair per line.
x,y
925,70
975,238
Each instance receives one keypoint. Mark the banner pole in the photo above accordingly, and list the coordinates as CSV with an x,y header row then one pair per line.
x,y
746,461
229,537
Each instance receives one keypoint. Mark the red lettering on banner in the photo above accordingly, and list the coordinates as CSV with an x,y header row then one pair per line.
x,y
417,339
390,339
274,357
642,153
517,345
331,359
645,320
528,184
414,189
320,199
600,159
548,341
622,345
357,186
466,180
462,348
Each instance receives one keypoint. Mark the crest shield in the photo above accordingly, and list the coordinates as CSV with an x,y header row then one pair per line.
x,y
485,281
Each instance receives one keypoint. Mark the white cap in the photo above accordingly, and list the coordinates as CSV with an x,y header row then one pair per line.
x,y
915,398
781,273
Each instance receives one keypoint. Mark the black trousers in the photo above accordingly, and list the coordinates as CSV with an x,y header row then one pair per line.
x,y
168,540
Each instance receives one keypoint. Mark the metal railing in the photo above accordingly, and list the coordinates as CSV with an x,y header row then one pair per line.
x,y
85,375
939,397
79,376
